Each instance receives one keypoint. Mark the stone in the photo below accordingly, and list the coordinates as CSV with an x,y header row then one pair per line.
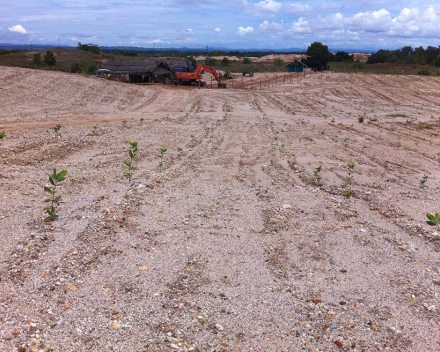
x,y
181,306
273,221
174,346
219,327
72,287
9,335
115,325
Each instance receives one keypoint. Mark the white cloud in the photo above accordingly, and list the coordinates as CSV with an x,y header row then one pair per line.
x,y
245,31
270,28
217,30
262,8
297,9
300,27
17,28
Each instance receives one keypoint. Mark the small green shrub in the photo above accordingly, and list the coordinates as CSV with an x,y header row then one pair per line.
x,y
132,153
316,179
424,73
49,58
54,201
57,129
162,152
360,118
433,220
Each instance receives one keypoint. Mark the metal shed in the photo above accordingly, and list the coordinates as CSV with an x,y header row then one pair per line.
x,y
146,71
295,66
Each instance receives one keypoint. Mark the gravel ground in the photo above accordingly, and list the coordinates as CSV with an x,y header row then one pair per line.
x,y
236,243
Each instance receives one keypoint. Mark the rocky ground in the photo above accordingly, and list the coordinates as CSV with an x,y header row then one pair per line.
x,y
245,240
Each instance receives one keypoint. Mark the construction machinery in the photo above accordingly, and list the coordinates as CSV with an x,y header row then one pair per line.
x,y
191,78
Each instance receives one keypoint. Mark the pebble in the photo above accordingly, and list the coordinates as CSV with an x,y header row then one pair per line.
x,y
116,325
273,221
174,346
287,206
9,335
219,327
181,306
192,304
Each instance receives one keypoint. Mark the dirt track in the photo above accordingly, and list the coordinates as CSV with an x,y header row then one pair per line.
x,y
261,257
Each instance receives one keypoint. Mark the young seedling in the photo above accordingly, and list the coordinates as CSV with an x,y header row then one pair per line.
x,y
316,179
132,153
57,129
281,149
294,161
347,192
423,180
161,156
433,220
179,152
94,131
2,135
54,201
124,123
141,121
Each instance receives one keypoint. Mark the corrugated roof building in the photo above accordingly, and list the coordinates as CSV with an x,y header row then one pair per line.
x,y
145,71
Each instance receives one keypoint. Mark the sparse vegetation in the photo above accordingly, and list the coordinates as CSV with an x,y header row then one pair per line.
x,y
433,220
57,129
423,180
316,179
132,153
54,200
162,152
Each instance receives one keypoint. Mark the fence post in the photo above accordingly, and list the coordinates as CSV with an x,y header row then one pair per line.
x,y
284,79
242,86
276,81
211,82
260,84
232,83
269,82
252,82
290,77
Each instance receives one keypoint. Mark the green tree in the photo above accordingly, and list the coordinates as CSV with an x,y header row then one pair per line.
x,y
49,58
76,68
89,47
278,62
37,59
226,61
92,67
247,61
318,56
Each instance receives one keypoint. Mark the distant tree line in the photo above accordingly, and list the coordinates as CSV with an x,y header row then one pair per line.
x,y
408,55
89,47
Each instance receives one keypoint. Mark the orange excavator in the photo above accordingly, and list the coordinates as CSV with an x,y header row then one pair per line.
x,y
190,78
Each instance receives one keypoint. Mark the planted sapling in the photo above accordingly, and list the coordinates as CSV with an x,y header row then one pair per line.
x,y
294,161
57,129
179,152
281,149
124,123
434,220
347,192
316,179
94,131
54,201
132,153
161,156
2,135
423,180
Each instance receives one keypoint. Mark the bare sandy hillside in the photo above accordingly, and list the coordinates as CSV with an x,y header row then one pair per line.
x,y
236,243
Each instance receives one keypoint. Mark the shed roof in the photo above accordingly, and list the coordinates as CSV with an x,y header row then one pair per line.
x,y
136,67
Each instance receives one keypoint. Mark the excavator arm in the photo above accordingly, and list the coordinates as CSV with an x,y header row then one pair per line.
x,y
212,70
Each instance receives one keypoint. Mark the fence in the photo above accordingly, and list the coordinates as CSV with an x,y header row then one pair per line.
x,y
264,83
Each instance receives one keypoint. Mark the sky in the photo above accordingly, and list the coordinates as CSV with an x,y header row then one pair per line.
x,y
233,24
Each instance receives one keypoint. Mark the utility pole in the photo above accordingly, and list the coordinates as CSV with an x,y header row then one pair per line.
x,y
58,42
154,46
207,54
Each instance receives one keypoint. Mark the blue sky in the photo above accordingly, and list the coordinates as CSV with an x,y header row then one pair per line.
x,y
239,24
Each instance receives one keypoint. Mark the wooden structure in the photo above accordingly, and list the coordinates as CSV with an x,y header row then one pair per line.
x,y
146,71
295,66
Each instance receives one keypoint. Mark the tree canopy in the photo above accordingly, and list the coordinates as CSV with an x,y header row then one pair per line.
x,y
49,58
89,47
318,56
408,55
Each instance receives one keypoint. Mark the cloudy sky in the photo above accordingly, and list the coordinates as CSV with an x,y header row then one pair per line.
x,y
235,24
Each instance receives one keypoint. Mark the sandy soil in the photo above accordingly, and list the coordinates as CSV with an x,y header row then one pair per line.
x,y
231,246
